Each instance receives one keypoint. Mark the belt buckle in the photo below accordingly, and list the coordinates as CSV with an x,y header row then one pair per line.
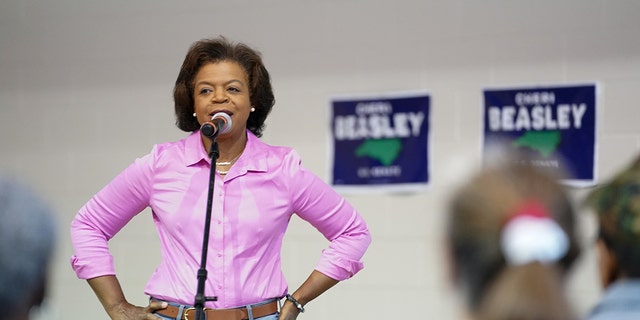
x,y
186,316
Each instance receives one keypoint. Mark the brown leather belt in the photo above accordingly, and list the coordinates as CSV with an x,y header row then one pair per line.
x,y
189,313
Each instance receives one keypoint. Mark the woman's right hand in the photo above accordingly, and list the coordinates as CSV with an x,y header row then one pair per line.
x,y
127,311
108,290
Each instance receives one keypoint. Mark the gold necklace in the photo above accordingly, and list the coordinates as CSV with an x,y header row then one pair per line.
x,y
226,163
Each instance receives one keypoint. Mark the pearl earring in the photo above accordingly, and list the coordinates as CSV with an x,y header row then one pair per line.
x,y
253,109
194,114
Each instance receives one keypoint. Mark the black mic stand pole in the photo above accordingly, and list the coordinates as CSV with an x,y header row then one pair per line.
x,y
200,299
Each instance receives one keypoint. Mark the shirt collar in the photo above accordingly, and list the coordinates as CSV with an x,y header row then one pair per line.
x,y
194,149
623,288
253,158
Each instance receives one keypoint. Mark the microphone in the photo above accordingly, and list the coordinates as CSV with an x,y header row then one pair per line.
x,y
220,123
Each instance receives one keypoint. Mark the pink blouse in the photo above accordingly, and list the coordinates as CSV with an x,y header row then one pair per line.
x,y
252,207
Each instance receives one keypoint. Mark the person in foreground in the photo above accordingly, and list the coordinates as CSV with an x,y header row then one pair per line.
x,y
258,188
511,240
617,207
27,239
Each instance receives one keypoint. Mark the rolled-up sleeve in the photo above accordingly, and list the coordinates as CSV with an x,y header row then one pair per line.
x,y
106,213
320,205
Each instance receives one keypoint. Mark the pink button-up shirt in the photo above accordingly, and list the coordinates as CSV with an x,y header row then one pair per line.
x,y
252,207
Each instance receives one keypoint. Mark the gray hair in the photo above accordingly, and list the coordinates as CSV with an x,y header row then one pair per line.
x,y
27,239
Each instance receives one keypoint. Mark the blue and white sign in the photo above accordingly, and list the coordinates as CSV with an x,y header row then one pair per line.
x,y
380,142
556,125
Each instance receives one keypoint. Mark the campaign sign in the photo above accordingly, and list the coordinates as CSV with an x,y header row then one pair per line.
x,y
380,142
556,126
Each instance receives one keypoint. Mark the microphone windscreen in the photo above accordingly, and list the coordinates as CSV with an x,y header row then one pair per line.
x,y
208,130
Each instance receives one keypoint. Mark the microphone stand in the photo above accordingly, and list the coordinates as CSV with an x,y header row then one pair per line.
x,y
200,299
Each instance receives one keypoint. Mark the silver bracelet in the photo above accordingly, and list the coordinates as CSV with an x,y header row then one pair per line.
x,y
295,303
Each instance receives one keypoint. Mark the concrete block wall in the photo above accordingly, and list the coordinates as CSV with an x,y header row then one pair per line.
x,y
85,88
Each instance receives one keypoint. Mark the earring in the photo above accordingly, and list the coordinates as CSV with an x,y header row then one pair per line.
x,y
253,109
194,114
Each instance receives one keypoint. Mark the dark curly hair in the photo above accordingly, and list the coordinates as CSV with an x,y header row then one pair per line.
x,y
216,50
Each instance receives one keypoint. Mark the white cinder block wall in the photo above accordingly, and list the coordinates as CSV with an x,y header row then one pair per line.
x,y
85,88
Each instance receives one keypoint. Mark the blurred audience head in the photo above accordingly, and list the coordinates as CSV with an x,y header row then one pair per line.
x,y
511,240
616,204
27,236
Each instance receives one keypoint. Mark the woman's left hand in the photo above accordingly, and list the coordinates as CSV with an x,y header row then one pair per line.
x,y
288,311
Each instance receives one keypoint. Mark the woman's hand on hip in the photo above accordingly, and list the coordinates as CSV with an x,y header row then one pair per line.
x,y
288,311
127,311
